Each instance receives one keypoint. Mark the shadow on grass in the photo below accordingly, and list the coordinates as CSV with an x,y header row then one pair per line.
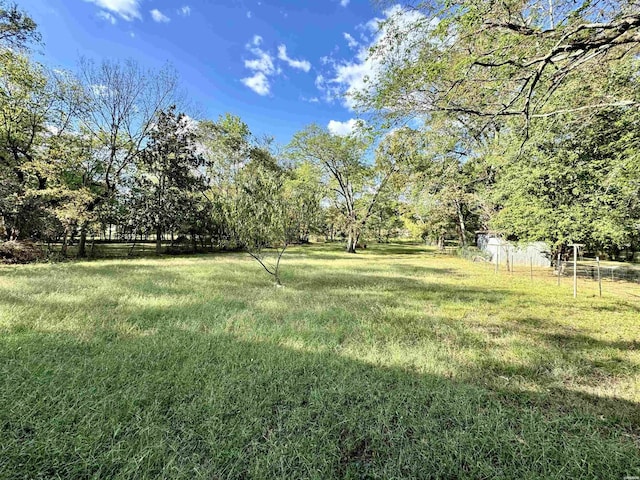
x,y
153,380
194,405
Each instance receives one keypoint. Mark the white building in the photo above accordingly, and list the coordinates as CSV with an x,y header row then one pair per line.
x,y
500,250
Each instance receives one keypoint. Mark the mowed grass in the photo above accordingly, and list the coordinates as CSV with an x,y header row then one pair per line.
x,y
392,363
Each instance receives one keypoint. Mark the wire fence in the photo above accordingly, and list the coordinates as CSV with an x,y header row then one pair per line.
x,y
592,276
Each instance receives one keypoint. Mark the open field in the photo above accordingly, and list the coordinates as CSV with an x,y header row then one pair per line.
x,y
392,363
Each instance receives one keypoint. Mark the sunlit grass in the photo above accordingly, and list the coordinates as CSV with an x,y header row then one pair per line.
x,y
394,362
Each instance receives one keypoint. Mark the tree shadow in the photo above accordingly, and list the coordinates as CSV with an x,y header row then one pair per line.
x,y
181,404
170,374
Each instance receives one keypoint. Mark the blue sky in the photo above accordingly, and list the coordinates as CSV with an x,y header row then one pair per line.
x,y
279,65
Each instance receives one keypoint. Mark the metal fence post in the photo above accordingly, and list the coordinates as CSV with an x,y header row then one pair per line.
x,y
599,278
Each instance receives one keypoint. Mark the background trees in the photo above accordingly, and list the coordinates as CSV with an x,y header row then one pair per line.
x,y
519,118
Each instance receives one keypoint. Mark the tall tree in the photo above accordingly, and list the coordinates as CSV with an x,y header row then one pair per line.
x,y
227,145
124,101
305,192
170,171
37,108
354,180
573,187
17,28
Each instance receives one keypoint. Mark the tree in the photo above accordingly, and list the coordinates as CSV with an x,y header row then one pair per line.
x,y
17,28
264,220
347,174
573,187
124,102
169,171
36,111
493,60
227,146
445,178
305,193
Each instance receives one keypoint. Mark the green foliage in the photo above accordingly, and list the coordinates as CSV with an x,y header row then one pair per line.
x,y
573,187
266,223
352,182
485,61
17,28
168,179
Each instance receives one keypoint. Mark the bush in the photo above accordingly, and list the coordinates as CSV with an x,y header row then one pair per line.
x,y
20,252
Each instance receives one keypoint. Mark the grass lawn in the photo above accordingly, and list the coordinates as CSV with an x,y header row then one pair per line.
x,y
392,363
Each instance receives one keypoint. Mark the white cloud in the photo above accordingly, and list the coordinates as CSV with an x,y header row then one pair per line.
x,y
107,17
128,10
263,66
342,129
249,14
344,3
184,11
159,17
259,83
347,78
263,63
303,65
352,42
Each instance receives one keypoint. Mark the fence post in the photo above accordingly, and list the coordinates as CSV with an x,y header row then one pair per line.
x,y
497,257
531,267
599,278
575,271
507,255
559,266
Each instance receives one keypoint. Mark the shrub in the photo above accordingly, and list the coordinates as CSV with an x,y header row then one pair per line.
x,y
20,252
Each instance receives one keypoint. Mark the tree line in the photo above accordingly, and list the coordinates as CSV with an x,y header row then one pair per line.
x,y
519,119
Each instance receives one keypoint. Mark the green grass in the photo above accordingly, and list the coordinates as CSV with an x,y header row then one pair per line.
x,y
393,363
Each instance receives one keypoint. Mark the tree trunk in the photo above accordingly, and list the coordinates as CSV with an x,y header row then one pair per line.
x,y
461,225
82,246
352,241
194,244
3,227
158,240
64,241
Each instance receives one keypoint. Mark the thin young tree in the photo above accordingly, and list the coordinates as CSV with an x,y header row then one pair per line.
x,y
265,218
